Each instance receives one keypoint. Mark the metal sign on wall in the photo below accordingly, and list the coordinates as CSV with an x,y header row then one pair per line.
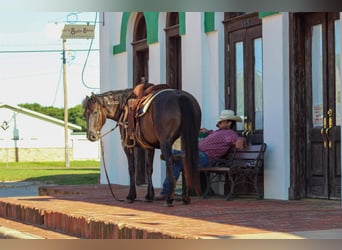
x,y
71,31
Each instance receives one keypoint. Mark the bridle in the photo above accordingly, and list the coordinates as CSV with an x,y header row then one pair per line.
x,y
102,117
100,136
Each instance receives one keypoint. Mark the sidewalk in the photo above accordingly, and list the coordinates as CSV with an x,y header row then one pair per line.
x,y
91,212
15,189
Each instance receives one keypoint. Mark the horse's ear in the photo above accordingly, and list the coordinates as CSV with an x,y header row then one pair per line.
x,y
93,97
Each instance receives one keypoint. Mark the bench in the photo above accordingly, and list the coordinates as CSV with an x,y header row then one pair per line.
x,y
239,166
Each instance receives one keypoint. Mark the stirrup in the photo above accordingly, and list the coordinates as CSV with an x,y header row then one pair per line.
x,y
129,145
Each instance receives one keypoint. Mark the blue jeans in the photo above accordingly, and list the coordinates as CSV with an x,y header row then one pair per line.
x,y
203,161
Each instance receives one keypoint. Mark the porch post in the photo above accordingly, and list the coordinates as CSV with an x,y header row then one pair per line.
x,y
276,106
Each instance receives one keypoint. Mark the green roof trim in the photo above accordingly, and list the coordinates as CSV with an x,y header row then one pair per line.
x,y
209,21
152,26
181,23
122,46
265,14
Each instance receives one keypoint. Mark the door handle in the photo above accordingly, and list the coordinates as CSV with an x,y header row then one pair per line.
x,y
249,128
324,132
330,125
245,126
328,139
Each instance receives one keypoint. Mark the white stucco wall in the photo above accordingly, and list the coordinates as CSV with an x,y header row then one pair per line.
x,y
275,33
213,73
203,76
114,75
192,57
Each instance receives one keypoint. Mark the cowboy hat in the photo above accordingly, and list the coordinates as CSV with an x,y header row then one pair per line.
x,y
228,114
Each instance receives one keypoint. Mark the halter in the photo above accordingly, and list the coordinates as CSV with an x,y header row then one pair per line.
x,y
103,117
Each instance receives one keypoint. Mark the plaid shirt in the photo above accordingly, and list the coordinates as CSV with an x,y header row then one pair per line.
x,y
218,142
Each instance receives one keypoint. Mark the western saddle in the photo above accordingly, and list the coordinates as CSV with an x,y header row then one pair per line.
x,y
136,107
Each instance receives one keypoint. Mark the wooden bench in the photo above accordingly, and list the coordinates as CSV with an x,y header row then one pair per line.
x,y
239,167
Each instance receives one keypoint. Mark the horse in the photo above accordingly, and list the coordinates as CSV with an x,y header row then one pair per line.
x,y
170,114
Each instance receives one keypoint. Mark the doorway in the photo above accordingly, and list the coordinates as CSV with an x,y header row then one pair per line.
x,y
243,36
315,76
243,78
173,51
140,74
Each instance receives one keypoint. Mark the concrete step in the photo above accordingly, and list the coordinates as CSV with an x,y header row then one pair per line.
x,y
10,229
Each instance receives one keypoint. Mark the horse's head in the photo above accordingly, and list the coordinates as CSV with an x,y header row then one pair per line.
x,y
95,116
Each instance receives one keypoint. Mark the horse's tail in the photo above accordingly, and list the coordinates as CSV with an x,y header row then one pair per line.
x,y
189,140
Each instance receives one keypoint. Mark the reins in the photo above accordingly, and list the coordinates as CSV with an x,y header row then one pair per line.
x,y
104,161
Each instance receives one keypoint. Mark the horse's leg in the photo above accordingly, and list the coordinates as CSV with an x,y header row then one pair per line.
x,y
149,170
166,150
132,195
185,188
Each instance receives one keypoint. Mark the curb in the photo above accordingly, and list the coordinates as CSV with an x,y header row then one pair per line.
x,y
9,233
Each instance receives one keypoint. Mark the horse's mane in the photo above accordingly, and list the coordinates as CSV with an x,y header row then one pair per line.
x,y
122,93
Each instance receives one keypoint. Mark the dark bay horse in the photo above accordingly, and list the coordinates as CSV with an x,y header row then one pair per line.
x,y
170,115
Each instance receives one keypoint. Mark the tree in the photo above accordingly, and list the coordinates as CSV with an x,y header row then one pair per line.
x,y
76,116
75,113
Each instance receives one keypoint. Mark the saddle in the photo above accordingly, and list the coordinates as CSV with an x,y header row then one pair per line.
x,y
136,107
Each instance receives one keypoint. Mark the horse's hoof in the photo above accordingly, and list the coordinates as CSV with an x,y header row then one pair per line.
x,y
186,201
170,203
129,201
149,198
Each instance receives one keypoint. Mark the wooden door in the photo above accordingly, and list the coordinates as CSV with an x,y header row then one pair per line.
x,y
243,79
244,72
173,51
140,73
323,113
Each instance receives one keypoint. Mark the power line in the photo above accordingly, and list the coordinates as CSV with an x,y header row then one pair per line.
x,y
58,83
43,51
86,62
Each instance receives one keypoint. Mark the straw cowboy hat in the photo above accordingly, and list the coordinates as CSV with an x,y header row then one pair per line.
x,y
228,114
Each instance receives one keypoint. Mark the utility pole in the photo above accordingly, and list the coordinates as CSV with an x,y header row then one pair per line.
x,y
71,32
66,120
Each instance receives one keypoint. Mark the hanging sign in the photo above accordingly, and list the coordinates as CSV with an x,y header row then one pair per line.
x,y
71,31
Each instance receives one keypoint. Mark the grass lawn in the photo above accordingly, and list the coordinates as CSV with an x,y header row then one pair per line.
x,y
79,172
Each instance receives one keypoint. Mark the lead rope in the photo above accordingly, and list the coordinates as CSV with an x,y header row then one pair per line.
x,y
103,157
104,161
105,168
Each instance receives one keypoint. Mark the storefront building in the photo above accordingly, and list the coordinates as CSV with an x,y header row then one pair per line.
x,y
279,71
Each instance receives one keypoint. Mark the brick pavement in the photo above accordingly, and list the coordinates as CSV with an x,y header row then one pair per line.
x,y
91,212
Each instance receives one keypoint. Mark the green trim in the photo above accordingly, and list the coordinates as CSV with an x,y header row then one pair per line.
x,y
152,19
181,23
209,21
265,14
152,26
124,23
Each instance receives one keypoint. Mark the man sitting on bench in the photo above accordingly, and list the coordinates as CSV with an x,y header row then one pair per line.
x,y
215,145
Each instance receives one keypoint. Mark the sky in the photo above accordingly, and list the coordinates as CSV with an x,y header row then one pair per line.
x,y
31,59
